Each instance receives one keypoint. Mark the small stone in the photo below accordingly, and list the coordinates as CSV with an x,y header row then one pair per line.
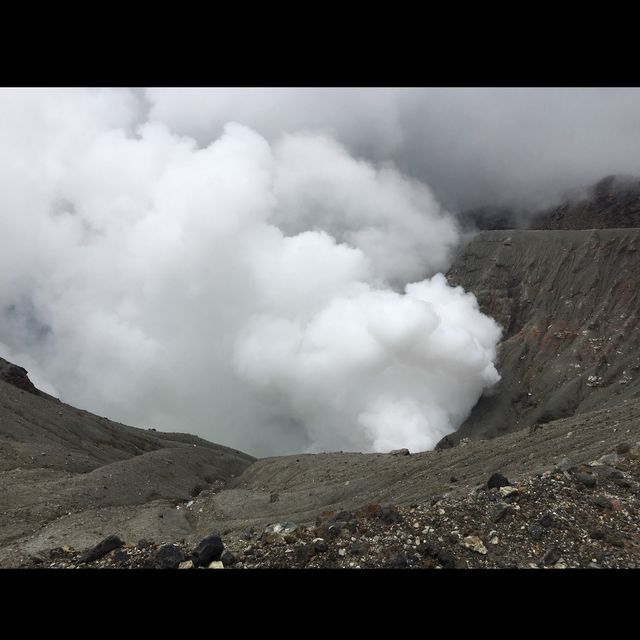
x,y
507,491
551,556
447,560
475,544
610,459
605,471
400,452
101,549
603,502
278,532
564,464
535,531
342,552
597,535
427,550
495,540
281,528
216,564
356,548
319,545
498,511
227,558
623,448
622,482
496,481
186,565
547,520
586,479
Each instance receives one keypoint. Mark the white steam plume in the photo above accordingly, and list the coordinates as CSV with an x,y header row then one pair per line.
x,y
248,291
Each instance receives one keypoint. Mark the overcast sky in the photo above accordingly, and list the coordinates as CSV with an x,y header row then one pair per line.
x,y
472,146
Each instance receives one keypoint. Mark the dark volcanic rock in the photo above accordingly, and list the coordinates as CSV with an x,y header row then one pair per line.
x,y
603,502
168,557
447,560
356,548
209,550
496,481
605,471
227,558
551,556
586,479
389,514
101,549
535,531
547,520
498,511
428,550
320,545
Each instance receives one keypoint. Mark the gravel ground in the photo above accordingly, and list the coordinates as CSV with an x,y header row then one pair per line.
x,y
577,516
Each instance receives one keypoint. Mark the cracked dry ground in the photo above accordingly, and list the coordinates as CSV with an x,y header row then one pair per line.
x,y
574,516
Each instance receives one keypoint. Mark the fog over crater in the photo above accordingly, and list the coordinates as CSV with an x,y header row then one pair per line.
x,y
254,266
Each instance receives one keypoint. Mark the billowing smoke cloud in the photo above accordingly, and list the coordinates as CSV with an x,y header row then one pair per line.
x,y
472,146
251,290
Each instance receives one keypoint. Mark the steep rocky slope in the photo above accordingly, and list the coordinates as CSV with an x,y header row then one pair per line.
x,y
569,303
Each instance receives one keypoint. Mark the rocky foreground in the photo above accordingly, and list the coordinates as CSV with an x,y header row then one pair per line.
x,y
574,516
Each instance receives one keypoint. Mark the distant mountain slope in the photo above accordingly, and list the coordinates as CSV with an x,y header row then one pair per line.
x,y
569,302
612,203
